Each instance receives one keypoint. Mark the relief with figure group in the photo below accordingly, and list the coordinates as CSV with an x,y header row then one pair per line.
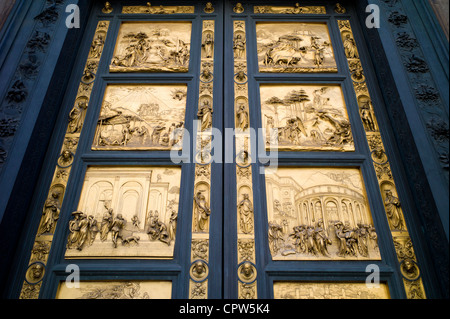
x,y
294,48
141,117
305,118
319,214
152,47
126,212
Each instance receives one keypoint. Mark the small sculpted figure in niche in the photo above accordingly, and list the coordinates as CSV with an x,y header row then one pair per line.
x,y
76,117
242,117
208,45
245,208
51,212
203,212
393,210
205,115
367,118
97,47
351,51
239,46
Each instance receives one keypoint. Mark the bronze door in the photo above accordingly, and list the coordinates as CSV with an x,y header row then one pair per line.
x,y
221,151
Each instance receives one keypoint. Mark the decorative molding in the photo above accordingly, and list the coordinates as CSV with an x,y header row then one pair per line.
x,y
29,66
426,206
393,207
201,211
419,75
246,270
51,209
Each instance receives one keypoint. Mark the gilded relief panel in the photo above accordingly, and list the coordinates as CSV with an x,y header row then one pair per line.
x,y
117,290
294,47
126,212
141,117
152,47
319,214
328,290
305,118
296,9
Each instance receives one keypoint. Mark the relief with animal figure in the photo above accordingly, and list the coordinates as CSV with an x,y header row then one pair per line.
x,y
294,48
126,212
141,117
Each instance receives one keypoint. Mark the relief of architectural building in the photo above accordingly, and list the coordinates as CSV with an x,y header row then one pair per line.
x,y
126,212
141,117
319,214
305,118
306,47
152,47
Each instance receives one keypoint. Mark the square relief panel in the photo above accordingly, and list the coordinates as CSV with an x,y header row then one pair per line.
x,y
126,212
305,117
117,290
319,214
141,117
294,47
152,47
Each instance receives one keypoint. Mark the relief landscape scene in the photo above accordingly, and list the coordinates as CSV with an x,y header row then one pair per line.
x,y
141,117
294,48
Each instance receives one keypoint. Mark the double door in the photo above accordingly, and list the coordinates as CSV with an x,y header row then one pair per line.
x,y
222,150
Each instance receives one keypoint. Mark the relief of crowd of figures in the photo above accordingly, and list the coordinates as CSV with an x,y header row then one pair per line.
x,y
152,47
145,117
143,221
307,48
319,214
305,117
